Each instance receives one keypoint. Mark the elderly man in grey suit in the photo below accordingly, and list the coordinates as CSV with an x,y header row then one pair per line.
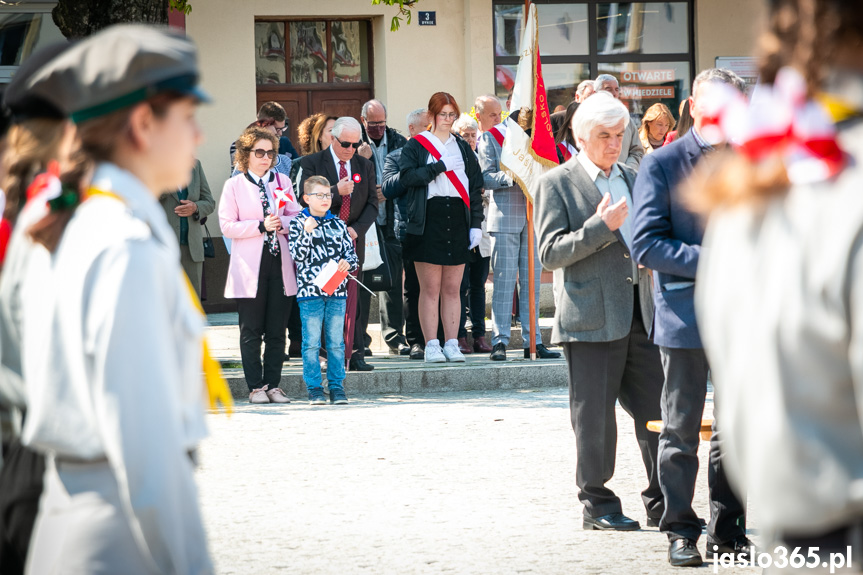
x,y
507,225
603,299
184,209
631,150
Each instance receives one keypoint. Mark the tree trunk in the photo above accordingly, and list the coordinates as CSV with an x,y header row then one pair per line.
x,y
79,18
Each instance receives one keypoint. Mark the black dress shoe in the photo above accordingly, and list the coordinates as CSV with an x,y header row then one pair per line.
x,y
400,349
653,521
611,522
684,553
740,549
417,352
367,352
498,352
359,364
542,353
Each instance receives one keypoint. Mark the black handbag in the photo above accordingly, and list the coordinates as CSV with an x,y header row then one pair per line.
x,y
209,246
380,278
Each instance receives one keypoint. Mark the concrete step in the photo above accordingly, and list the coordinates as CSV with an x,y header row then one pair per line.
x,y
400,375
546,300
224,337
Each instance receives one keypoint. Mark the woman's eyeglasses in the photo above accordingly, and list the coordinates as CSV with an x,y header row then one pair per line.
x,y
260,153
354,145
447,116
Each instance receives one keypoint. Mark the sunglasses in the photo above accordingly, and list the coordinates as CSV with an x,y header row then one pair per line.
x,y
354,145
260,153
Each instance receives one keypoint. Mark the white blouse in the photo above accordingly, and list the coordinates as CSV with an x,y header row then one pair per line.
x,y
441,187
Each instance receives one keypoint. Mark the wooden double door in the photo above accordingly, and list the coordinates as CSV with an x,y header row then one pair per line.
x,y
302,103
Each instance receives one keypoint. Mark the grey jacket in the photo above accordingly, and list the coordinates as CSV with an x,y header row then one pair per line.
x,y
631,150
199,192
507,211
593,284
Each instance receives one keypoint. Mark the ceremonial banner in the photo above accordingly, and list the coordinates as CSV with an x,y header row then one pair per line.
x,y
529,150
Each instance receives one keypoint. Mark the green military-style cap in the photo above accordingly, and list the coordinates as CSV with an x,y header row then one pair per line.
x,y
119,67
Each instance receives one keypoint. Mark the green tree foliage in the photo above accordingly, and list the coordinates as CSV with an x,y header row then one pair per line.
x,y
404,11
79,18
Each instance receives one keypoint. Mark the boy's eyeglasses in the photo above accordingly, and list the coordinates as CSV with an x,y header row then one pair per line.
x,y
321,196
354,145
260,153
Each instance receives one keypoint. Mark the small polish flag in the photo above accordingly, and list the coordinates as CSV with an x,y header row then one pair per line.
x,y
282,198
330,278
357,179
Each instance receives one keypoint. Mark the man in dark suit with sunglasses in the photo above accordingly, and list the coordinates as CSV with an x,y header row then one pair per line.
x,y
355,201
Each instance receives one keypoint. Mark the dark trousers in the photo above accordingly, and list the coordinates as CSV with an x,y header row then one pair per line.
x,y
362,323
413,331
473,296
295,324
264,319
391,301
20,490
628,370
683,397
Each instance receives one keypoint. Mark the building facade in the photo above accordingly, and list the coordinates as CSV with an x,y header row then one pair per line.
x,y
332,55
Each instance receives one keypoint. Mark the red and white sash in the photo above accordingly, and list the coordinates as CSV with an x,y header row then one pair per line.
x,y
566,150
436,148
498,132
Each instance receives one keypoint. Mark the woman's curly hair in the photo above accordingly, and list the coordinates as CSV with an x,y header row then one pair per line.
x,y
309,132
246,142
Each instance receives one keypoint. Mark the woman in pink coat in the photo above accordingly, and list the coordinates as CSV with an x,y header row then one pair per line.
x,y
254,211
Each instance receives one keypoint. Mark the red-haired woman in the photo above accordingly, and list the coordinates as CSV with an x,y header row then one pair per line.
x,y
443,214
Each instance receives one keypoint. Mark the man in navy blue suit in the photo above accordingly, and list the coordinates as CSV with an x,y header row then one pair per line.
x,y
667,239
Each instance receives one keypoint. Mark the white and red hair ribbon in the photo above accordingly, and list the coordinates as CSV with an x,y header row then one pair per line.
x,y
779,119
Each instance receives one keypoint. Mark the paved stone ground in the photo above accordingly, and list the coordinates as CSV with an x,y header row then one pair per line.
x,y
463,483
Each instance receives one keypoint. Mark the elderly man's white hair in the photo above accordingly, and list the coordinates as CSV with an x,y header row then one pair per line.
x,y
597,84
465,122
416,118
481,101
346,123
601,109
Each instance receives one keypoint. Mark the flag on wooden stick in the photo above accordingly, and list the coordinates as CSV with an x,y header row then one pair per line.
x,y
529,150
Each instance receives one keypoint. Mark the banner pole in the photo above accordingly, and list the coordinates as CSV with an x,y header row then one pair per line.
x,y
531,279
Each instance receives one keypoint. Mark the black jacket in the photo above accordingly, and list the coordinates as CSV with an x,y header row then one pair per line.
x,y
364,200
395,193
415,174
395,141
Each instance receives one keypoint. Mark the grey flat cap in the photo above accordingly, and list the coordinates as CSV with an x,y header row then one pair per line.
x,y
22,102
120,66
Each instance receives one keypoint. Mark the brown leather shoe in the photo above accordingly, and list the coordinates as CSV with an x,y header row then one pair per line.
x,y
276,395
480,345
463,346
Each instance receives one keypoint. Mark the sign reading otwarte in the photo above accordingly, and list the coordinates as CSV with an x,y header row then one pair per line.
x,y
528,150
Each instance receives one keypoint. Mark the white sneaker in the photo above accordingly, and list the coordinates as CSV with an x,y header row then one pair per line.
x,y
451,351
433,353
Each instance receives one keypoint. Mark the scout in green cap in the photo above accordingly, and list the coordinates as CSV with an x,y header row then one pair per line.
x,y
119,402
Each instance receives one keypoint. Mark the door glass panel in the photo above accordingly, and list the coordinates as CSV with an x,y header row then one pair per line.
x,y
643,84
22,34
508,23
350,51
308,52
642,27
270,53
562,29
561,80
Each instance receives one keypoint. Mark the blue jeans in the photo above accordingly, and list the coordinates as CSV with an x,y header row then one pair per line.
x,y
327,313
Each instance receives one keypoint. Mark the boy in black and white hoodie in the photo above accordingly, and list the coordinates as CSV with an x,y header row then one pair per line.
x,y
317,237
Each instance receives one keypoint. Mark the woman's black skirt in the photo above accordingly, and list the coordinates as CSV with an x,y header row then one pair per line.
x,y
445,239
